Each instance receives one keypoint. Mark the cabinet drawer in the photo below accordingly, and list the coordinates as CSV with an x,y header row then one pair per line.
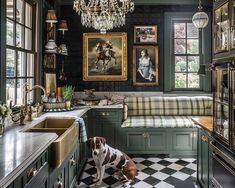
x,y
107,115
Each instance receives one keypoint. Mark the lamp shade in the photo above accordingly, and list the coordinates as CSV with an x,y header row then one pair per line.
x,y
51,17
202,70
200,20
63,26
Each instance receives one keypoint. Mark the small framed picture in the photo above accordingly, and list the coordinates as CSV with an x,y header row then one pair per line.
x,y
50,83
145,34
145,66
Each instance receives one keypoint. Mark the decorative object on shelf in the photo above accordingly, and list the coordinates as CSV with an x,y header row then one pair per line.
x,y
51,46
103,15
62,75
63,26
145,65
91,99
5,112
50,83
105,57
51,17
67,93
145,34
200,19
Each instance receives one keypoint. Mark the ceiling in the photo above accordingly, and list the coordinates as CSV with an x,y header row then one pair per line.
x,y
155,2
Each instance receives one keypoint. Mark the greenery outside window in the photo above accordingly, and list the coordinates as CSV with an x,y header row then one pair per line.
x,y
20,48
186,55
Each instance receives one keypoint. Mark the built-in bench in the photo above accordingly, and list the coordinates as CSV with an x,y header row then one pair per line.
x,y
162,125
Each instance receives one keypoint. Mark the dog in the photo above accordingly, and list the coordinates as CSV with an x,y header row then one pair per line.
x,y
104,155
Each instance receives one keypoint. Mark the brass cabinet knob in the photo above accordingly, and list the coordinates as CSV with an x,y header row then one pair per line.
x,y
204,138
32,173
103,113
72,162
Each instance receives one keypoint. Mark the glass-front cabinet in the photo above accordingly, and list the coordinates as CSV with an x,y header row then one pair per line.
x,y
232,17
224,102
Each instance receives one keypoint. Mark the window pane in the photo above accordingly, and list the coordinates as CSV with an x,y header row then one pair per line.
x,y
28,39
28,15
10,9
10,63
10,90
21,64
193,80
30,65
193,63
30,95
19,36
180,46
192,46
20,89
10,32
20,11
180,64
180,80
192,31
179,30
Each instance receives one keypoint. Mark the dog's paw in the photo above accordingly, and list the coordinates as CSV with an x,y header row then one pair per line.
x,y
95,180
98,183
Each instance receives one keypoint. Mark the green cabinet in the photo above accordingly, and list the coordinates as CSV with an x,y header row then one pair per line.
x,y
204,160
104,122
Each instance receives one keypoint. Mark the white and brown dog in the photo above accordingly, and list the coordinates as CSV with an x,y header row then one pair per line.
x,y
104,155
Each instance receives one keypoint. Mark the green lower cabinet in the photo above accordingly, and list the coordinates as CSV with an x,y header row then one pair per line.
x,y
204,159
156,141
135,141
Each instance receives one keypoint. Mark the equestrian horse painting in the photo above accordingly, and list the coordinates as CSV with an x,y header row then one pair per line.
x,y
104,56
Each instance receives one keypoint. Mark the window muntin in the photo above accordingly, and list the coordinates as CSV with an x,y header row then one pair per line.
x,y
20,51
186,55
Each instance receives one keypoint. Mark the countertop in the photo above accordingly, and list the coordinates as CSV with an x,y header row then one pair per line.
x,y
204,122
18,149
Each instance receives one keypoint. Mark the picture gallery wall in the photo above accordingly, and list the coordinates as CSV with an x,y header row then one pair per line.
x,y
130,58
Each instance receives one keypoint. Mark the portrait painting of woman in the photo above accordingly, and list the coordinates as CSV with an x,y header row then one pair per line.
x,y
145,65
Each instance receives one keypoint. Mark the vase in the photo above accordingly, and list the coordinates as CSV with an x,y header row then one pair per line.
x,y
2,126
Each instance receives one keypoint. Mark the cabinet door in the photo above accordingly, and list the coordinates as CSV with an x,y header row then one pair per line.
x,y
182,140
156,141
135,141
72,168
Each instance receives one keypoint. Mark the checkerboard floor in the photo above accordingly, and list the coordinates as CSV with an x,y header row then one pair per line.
x,y
156,172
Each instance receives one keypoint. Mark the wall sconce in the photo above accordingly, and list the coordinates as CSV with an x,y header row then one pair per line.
x,y
51,17
63,26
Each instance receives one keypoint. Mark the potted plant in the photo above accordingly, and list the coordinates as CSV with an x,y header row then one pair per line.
x,y
67,92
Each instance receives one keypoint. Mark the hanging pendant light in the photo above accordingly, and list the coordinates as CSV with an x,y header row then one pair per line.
x,y
200,19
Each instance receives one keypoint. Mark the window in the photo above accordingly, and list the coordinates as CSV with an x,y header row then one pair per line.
x,y
20,48
186,56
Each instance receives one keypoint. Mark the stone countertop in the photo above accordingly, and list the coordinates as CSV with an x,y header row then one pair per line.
x,y
18,149
205,123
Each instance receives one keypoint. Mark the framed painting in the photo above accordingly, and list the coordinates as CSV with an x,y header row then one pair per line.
x,y
145,65
104,57
50,83
145,34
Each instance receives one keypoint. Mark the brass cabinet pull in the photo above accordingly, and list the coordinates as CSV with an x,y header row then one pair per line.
x,y
145,135
32,173
204,138
60,184
72,161
103,113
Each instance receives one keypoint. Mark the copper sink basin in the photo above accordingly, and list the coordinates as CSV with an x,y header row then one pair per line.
x,y
67,131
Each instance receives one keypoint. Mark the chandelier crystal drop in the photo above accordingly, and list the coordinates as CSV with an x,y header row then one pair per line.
x,y
103,15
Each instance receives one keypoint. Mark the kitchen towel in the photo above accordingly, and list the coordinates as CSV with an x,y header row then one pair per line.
x,y
82,129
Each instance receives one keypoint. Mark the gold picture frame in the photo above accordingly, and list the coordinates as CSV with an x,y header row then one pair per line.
x,y
105,57
145,66
145,34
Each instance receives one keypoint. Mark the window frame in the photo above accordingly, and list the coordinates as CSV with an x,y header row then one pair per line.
x,y
23,49
205,58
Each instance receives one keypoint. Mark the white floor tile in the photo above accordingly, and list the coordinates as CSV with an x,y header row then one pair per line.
x,y
157,166
180,175
140,166
85,175
155,160
190,160
161,176
142,184
142,176
163,184
175,166
138,159
192,166
172,160
88,166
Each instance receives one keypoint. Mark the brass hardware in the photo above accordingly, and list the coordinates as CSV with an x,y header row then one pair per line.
x,y
32,173
60,184
204,138
72,161
103,113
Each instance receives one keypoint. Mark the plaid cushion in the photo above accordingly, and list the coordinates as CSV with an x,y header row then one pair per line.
x,y
172,106
158,122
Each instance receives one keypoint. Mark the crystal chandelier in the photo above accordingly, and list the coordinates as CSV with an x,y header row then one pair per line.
x,y
103,15
200,19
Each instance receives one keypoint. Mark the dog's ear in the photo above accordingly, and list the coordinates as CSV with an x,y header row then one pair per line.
x,y
103,140
89,142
